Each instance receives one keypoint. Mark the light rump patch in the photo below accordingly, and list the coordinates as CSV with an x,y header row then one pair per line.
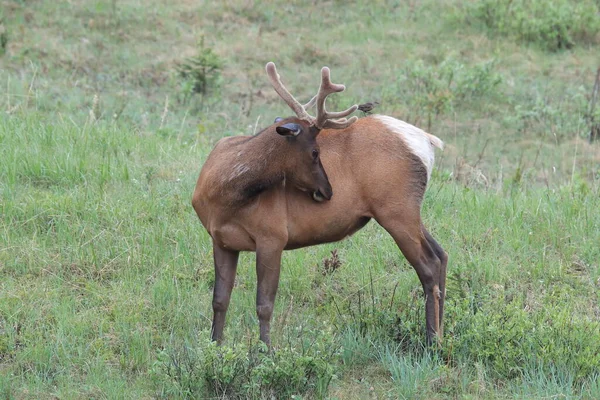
x,y
417,140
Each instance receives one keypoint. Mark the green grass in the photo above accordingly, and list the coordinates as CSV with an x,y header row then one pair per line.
x,y
106,272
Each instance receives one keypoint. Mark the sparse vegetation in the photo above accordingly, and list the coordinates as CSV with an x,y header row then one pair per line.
x,y
553,25
432,91
200,73
106,274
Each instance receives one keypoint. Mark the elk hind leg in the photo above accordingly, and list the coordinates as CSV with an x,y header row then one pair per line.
x,y
412,239
441,254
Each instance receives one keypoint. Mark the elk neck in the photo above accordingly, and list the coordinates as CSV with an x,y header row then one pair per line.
x,y
258,164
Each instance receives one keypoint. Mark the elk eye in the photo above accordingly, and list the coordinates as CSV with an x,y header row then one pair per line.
x,y
315,153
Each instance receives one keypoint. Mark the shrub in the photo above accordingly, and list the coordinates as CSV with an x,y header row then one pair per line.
x,y
247,371
553,25
200,73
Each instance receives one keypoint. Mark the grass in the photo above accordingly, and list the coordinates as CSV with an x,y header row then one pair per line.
x,y
106,273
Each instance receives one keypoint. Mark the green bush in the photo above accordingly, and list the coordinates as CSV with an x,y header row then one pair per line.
x,y
200,73
553,25
248,371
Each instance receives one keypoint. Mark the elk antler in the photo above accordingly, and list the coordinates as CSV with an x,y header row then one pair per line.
x,y
324,119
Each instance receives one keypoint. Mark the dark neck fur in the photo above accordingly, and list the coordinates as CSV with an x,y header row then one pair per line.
x,y
260,166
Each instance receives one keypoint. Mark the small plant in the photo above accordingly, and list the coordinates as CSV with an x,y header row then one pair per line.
x,y
201,72
331,264
554,25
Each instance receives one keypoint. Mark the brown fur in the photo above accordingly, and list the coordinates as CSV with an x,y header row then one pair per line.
x,y
357,195
373,175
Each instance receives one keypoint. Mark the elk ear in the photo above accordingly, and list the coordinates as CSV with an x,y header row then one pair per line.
x,y
289,129
277,120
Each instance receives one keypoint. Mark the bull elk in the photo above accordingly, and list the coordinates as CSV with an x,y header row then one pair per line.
x,y
308,180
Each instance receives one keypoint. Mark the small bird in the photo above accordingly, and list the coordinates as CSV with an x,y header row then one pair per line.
x,y
368,107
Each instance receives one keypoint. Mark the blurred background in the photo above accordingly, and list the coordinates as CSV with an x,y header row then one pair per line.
x,y
507,85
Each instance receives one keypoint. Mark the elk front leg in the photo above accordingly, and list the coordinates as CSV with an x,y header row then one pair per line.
x,y
268,265
225,268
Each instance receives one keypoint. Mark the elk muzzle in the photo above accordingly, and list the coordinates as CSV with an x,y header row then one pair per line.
x,y
323,194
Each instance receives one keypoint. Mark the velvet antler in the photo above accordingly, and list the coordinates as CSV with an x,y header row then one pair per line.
x,y
324,119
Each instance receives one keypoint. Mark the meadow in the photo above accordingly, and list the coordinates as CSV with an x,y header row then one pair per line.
x,y
109,108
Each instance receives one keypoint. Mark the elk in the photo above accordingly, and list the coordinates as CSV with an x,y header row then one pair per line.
x,y
308,180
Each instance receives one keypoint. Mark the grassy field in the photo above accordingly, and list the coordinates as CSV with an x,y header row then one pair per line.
x,y
106,273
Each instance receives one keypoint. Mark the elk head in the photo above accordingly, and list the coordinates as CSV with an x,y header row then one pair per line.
x,y
308,172
305,161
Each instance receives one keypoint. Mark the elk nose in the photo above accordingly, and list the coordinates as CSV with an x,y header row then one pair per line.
x,y
326,192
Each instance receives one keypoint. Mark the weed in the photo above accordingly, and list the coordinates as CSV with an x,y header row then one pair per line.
x,y
6,392
411,374
95,109
331,264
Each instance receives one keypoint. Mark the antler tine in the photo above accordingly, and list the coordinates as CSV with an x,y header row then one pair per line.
x,y
311,102
340,114
324,119
340,123
298,108
327,119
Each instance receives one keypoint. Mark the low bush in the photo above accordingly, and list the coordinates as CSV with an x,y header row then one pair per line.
x,y
200,73
248,371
